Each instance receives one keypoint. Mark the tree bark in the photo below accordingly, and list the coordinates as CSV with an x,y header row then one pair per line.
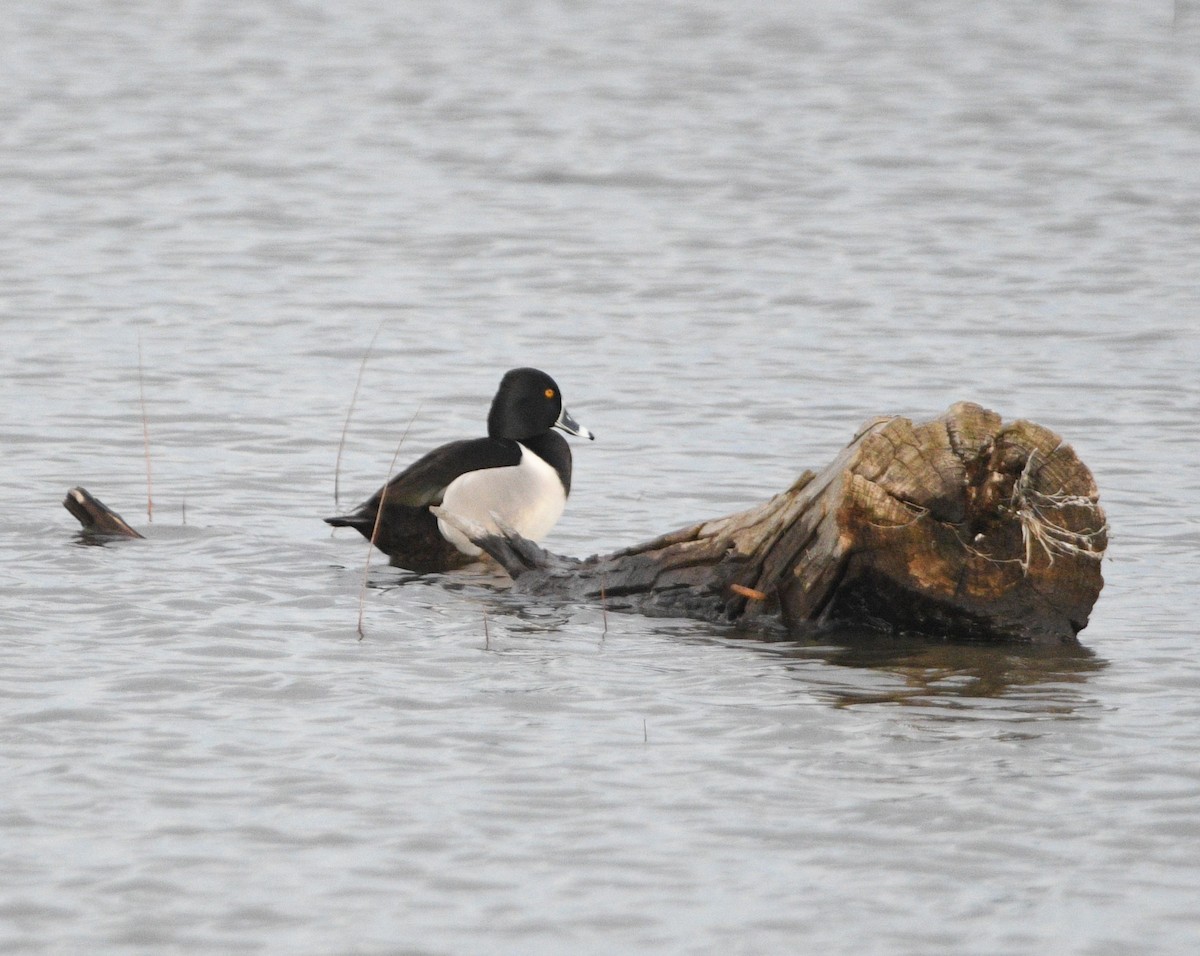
x,y
962,527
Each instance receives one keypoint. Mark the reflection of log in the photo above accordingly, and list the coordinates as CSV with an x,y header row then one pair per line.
x,y
961,527
95,516
918,670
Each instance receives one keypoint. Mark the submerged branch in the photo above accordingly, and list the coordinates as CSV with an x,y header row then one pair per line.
x,y
95,516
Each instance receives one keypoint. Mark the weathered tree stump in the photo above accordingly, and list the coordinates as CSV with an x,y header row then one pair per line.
x,y
962,527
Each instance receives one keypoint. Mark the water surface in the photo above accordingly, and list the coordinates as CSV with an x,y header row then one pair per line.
x,y
732,236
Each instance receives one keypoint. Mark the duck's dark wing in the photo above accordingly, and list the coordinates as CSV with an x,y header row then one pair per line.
x,y
407,532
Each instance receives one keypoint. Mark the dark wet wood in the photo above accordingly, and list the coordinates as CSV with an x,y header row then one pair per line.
x,y
95,516
963,527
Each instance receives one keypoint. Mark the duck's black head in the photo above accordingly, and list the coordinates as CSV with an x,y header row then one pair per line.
x,y
529,403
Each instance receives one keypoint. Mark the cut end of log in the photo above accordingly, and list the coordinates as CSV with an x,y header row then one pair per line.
x,y
95,516
967,525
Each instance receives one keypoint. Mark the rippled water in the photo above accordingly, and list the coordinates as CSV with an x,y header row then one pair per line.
x,y
732,235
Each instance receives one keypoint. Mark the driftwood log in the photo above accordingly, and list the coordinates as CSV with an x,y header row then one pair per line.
x,y
963,528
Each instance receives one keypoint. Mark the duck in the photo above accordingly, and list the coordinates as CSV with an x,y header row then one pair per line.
x,y
520,474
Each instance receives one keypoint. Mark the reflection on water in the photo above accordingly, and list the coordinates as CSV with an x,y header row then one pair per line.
x,y
860,666
1032,680
487,588
97,539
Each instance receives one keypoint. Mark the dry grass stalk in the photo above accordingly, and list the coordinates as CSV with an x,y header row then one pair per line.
x,y
337,467
603,607
362,594
145,436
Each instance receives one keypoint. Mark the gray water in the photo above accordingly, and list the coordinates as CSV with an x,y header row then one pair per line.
x,y
732,236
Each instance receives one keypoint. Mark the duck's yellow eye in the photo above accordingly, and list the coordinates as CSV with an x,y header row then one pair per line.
x,y
549,393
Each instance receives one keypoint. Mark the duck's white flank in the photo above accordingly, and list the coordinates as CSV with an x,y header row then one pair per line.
x,y
528,497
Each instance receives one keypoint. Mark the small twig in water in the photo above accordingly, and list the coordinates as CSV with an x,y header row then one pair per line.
x,y
145,436
603,606
362,593
337,467
487,637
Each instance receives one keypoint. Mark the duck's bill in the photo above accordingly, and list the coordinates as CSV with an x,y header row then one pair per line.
x,y
572,427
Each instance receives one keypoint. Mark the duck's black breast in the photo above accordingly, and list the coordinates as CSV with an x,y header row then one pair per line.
x,y
407,532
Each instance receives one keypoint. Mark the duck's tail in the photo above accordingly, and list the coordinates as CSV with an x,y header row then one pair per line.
x,y
359,522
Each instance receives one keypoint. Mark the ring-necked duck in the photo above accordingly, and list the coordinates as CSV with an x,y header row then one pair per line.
x,y
521,472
